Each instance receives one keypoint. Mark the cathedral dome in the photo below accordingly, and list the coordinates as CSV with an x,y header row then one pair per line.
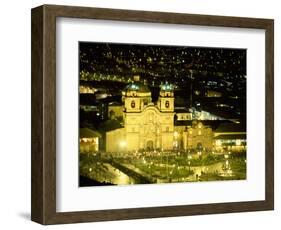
x,y
166,87
136,86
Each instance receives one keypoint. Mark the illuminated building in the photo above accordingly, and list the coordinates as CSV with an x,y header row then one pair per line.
x,y
182,114
87,89
204,115
88,140
230,137
149,126
146,125
212,93
197,136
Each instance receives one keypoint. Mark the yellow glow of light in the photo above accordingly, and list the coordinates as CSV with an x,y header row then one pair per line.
x,y
218,143
238,142
123,144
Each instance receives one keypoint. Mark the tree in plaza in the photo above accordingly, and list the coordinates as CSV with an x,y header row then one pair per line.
x,y
92,165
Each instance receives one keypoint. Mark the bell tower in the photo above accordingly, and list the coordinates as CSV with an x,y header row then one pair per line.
x,y
166,98
132,101
136,96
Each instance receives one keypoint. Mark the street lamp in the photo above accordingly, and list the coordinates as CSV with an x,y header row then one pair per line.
x,y
90,170
144,161
171,172
167,167
189,162
199,153
150,168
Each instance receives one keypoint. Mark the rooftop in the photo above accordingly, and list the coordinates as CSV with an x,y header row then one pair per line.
x,y
137,86
231,127
88,133
232,137
167,87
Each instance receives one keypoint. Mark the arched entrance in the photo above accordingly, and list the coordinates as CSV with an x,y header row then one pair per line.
x,y
199,146
149,145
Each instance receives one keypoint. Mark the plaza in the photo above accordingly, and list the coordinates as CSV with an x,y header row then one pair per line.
x,y
163,167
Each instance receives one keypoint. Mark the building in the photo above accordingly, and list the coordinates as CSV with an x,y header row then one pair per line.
x,y
212,93
115,110
230,137
204,115
149,125
146,125
197,136
158,125
91,109
183,114
88,140
87,89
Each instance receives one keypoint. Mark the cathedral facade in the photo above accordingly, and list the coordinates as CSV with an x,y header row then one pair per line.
x,y
146,125
149,126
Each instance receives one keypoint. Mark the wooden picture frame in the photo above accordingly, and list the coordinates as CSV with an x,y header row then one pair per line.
x,y
43,207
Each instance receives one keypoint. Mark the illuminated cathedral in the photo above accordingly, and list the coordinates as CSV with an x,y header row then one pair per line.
x,y
150,126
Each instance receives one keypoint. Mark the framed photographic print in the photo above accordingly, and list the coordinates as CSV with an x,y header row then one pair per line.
x,y
141,114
